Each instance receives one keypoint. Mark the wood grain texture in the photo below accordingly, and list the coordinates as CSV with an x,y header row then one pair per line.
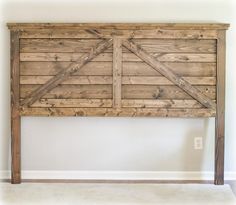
x,y
117,71
64,74
137,103
163,92
161,103
179,81
117,26
163,57
15,112
72,103
220,110
128,91
162,70
139,80
71,91
124,112
84,45
128,68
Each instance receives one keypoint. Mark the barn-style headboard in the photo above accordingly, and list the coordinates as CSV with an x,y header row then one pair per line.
x,y
151,70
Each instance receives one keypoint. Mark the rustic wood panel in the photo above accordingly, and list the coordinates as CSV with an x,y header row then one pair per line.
x,y
71,91
143,80
84,45
162,92
128,68
163,57
220,110
124,112
176,79
107,33
162,70
72,103
15,112
64,74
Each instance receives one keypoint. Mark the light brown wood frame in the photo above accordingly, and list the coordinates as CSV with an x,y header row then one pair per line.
x,y
195,103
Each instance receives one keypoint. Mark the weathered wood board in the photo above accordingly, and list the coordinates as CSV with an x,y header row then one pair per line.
x,y
156,70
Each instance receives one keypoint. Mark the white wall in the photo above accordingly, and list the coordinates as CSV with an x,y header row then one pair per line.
x,y
125,144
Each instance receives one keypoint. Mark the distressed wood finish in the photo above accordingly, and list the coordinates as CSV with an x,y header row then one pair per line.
x,y
163,57
15,112
117,70
139,80
64,74
111,112
127,70
84,45
179,81
220,110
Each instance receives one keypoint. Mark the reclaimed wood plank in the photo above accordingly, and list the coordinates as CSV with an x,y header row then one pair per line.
x,y
163,57
117,71
72,103
64,74
128,91
128,68
137,26
52,68
117,26
163,92
71,91
84,45
108,33
197,69
72,80
124,112
140,80
161,103
179,81
220,111
150,80
15,112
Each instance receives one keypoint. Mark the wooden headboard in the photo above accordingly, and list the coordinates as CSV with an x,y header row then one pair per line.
x,y
157,70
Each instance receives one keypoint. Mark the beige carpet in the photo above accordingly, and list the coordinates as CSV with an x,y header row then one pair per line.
x,y
114,194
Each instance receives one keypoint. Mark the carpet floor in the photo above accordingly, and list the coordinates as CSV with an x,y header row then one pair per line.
x,y
114,194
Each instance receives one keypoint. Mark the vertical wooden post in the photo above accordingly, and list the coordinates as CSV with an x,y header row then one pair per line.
x,y
117,71
15,115
220,110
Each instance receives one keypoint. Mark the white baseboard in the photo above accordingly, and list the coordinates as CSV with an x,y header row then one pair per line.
x,y
118,175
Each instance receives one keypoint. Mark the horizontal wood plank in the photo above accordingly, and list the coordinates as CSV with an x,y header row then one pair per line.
x,y
71,91
137,103
143,80
128,91
84,45
163,57
108,33
72,103
124,112
162,92
117,26
129,68
161,103
52,68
